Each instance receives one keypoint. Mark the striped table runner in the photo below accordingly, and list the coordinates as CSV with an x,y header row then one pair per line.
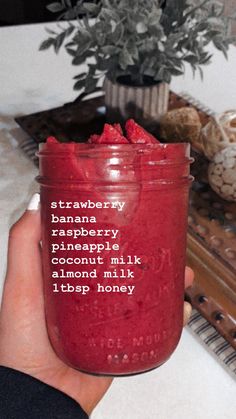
x,y
30,147
209,336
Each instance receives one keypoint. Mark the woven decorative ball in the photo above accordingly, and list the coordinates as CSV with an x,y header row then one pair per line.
x,y
211,134
181,124
222,173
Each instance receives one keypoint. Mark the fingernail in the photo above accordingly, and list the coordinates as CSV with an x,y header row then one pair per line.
x,y
187,312
34,203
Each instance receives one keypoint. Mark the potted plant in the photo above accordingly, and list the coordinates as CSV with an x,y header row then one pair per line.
x,y
138,45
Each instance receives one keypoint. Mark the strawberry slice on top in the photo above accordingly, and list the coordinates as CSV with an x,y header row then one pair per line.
x,y
138,135
110,135
93,139
118,128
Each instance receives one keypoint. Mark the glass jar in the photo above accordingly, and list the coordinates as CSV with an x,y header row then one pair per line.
x,y
114,221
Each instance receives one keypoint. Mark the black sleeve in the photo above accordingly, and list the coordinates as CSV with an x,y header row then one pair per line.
x,y
25,397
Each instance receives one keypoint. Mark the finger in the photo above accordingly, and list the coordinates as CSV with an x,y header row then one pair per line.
x,y
189,277
24,339
187,312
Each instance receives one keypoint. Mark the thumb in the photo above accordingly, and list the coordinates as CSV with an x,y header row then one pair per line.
x,y
24,255
22,322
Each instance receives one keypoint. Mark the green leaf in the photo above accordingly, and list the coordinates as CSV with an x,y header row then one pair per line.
x,y
100,38
125,59
80,76
110,49
46,44
163,75
154,18
67,3
109,13
159,76
80,84
117,34
90,84
141,27
78,60
212,33
104,63
83,47
149,72
70,30
82,36
48,30
175,71
59,41
157,31
201,73
205,58
192,10
202,26
91,7
108,4
221,46
167,76
191,59
218,8
132,49
71,51
55,7
70,14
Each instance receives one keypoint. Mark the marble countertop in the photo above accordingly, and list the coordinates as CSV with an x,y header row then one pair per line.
x,y
192,384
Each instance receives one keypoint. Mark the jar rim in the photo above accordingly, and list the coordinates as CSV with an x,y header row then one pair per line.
x,y
82,149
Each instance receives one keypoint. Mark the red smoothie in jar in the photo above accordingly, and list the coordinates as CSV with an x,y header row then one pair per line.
x,y
114,242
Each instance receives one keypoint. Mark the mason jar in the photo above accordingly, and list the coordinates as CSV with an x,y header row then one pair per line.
x,y
114,220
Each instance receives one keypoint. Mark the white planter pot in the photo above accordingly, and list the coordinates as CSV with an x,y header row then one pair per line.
x,y
146,103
